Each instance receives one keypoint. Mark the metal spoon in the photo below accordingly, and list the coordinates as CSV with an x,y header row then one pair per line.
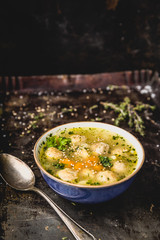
x,y
19,176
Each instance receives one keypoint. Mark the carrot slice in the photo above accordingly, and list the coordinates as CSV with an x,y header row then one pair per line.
x,y
93,159
79,166
98,168
69,163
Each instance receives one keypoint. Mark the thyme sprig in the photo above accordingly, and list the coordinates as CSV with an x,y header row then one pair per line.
x,y
130,112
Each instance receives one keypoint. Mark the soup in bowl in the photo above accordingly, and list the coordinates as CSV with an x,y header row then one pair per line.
x,y
88,162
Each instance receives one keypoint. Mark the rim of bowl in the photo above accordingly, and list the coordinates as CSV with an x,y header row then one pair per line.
x,y
88,186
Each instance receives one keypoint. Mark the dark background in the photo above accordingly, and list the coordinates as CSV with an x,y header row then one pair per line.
x,y
72,36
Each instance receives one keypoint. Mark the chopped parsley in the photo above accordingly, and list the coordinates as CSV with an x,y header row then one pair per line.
x,y
92,183
63,143
105,161
70,132
59,165
58,142
49,171
115,137
51,142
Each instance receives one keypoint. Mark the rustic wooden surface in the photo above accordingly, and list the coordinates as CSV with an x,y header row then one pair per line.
x,y
75,82
24,215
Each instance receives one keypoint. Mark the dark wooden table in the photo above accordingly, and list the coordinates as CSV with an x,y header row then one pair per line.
x,y
28,112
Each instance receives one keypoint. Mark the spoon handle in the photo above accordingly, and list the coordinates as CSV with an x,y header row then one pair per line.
x,y
78,232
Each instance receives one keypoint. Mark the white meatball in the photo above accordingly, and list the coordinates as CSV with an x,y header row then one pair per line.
x,y
53,153
84,145
81,153
106,177
77,139
83,182
119,167
67,174
86,174
100,148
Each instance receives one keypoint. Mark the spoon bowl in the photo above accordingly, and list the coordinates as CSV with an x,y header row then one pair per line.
x,y
19,176
16,173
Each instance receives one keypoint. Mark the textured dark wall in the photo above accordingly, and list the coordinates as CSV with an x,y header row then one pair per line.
x,y
68,36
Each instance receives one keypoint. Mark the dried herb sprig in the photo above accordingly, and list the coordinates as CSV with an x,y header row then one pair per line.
x,y
129,112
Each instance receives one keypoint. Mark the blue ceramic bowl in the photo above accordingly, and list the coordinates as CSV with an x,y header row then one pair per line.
x,y
89,194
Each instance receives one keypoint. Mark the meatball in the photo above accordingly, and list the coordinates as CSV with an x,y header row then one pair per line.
x,y
77,139
100,148
119,167
81,153
106,177
53,153
83,182
67,174
86,174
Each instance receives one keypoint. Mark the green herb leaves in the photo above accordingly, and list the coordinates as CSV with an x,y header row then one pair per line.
x,y
90,182
60,143
63,143
59,165
105,161
51,142
129,112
